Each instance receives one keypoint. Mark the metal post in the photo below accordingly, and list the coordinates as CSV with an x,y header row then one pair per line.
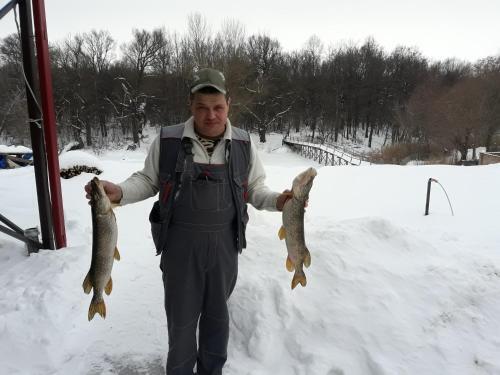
x,y
49,121
36,131
427,201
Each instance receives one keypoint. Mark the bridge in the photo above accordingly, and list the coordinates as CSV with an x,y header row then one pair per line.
x,y
324,153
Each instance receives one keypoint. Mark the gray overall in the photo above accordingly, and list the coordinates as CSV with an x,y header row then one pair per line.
x,y
200,265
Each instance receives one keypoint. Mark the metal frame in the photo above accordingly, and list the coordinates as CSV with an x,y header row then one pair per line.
x,y
7,8
43,139
28,236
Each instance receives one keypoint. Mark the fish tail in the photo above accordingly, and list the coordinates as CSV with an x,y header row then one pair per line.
x,y
97,306
299,277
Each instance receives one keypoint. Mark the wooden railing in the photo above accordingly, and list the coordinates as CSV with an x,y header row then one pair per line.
x,y
323,153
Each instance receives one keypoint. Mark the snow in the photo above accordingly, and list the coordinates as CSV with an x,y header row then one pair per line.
x,y
390,291
70,145
69,159
14,150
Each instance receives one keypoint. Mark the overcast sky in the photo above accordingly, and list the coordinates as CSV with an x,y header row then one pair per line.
x,y
467,30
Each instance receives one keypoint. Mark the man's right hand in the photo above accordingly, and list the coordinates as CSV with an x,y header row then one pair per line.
x,y
113,191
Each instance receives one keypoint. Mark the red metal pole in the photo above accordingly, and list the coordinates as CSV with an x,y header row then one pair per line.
x,y
49,120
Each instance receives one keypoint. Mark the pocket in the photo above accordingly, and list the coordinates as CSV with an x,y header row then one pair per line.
x,y
241,183
206,195
226,200
166,189
156,220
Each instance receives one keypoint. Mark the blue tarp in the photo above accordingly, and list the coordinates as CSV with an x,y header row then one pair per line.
x,y
5,165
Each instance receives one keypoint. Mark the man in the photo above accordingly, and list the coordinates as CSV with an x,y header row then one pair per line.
x,y
206,171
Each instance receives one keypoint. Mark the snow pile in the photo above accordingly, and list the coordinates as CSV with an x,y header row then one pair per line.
x,y
72,163
74,145
74,158
14,150
390,291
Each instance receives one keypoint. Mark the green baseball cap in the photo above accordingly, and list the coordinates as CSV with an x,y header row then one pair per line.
x,y
208,78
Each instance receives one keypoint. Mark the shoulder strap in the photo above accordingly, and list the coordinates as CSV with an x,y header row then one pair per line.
x,y
173,131
170,146
239,149
240,134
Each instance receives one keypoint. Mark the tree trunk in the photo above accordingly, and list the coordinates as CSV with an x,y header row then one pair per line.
x,y
296,124
262,134
135,133
395,135
463,151
386,134
102,124
367,125
313,126
370,136
489,137
88,131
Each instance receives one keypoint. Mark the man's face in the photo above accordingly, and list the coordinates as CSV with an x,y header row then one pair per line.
x,y
210,114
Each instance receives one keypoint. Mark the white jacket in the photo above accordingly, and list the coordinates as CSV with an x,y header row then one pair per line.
x,y
145,183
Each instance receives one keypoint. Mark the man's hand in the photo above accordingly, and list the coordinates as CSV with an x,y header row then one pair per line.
x,y
282,198
113,191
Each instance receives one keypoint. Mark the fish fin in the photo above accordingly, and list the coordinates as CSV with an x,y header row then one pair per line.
x,y
97,307
282,233
109,287
307,258
117,254
87,285
299,278
289,264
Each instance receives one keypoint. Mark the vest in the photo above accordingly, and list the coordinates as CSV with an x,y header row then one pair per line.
x,y
173,151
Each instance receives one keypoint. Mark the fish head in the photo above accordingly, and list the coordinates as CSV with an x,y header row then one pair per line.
x,y
302,184
98,197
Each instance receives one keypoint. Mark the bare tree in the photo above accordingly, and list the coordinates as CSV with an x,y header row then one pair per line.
x,y
98,47
10,50
268,97
199,39
140,53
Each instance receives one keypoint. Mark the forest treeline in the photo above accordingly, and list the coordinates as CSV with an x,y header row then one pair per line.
x,y
105,92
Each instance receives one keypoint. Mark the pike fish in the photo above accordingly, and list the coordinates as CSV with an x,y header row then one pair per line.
x,y
292,229
104,251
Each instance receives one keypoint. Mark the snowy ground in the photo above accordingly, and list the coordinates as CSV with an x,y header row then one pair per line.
x,y
389,290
